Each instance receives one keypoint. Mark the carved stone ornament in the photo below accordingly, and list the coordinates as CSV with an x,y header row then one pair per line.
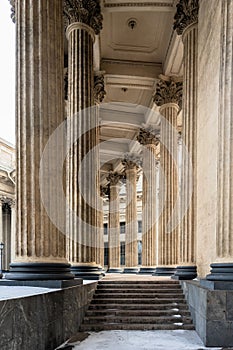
x,y
131,161
84,11
99,91
148,136
12,3
104,191
114,178
168,91
186,14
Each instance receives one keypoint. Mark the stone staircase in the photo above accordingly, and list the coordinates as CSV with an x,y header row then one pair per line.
x,y
137,305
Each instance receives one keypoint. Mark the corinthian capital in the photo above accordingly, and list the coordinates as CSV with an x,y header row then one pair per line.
x,y
114,178
131,161
148,136
84,11
168,91
99,91
12,3
186,14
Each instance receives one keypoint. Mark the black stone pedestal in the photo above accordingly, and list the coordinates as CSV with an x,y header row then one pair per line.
x,y
132,270
39,272
57,284
146,270
87,272
164,271
114,270
220,277
185,273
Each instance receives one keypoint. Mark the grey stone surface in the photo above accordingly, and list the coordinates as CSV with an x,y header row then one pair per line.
x,y
212,313
216,285
43,321
43,284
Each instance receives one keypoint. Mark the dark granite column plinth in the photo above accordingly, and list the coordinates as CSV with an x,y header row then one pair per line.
x,y
146,270
131,270
185,273
39,271
220,277
114,270
164,271
88,272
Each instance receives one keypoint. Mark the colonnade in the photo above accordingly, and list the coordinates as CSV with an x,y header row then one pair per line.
x,y
44,250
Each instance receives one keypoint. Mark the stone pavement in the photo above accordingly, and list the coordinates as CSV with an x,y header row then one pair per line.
x,y
136,340
16,292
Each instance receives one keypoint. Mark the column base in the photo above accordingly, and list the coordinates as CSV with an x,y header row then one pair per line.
x,y
185,273
164,271
221,272
114,270
131,270
39,271
87,272
146,270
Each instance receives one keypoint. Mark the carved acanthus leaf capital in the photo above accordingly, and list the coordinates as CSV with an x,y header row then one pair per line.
x,y
104,191
186,14
132,161
12,3
99,91
84,11
148,136
114,178
168,91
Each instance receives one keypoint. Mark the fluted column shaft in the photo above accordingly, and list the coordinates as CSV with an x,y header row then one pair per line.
x,y
185,24
114,223
224,242
168,243
148,139
131,245
13,232
39,110
1,220
188,228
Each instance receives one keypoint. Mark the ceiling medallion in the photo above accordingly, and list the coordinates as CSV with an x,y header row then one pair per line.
x,y
132,23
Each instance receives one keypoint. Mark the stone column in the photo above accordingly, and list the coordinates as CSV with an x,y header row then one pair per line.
x,y
99,94
168,97
186,24
40,246
222,267
114,223
130,163
1,218
149,140
13,232
83,21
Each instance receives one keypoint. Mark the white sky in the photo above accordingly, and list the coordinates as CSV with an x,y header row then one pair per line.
x,y
7,73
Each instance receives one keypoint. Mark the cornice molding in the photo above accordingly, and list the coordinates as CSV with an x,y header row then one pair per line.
x,y
87,12
186,14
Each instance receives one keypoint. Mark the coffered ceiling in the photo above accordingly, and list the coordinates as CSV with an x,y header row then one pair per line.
x,y
136,45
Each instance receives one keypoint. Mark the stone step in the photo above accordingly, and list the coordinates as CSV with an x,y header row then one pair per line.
x,y
135,319
146,282
139,313
141,291
131,298
142,306
139,286
133,326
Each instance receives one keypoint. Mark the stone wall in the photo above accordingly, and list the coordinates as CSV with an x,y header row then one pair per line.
x,y
209,28
212,313
43,321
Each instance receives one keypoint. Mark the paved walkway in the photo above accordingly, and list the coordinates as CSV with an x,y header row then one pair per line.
x,y
139,340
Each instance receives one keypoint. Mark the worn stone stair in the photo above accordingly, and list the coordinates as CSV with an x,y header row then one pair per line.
x,y
137,305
